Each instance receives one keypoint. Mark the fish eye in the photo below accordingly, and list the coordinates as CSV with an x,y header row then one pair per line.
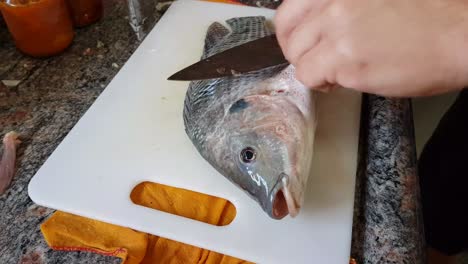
x,y
248,155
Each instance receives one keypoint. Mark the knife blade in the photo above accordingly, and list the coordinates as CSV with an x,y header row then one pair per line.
x,y
251,56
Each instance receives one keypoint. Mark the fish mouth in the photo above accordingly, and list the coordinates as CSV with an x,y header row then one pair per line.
x,y
283,201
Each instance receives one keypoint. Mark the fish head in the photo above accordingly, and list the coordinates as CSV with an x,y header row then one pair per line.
x,y
264,152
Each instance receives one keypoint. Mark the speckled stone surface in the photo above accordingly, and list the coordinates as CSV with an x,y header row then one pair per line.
x,y
388,225
54,93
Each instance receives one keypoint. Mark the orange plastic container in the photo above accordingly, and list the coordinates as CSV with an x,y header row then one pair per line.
x,y
39,28
85,12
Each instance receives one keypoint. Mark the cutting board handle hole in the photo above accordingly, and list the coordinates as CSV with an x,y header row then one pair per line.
x,y
194,205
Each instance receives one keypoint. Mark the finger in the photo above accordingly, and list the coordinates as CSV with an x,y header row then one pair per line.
x,y
356,76
326,87
289,14
304,37
317,67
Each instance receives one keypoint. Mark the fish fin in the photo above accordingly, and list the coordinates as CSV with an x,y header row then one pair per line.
x,y
255,25
215,34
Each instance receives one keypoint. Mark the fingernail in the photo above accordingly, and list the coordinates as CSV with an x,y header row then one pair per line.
x,y
325,88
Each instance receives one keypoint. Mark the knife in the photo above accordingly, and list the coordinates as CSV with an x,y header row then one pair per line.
x,y
251,56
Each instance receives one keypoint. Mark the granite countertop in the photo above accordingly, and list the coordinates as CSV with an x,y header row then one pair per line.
x,y
54,93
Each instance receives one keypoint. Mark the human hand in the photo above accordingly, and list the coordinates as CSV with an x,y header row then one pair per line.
x,y
395,48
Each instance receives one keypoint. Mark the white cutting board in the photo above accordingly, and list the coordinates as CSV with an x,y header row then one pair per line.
x,y
134,132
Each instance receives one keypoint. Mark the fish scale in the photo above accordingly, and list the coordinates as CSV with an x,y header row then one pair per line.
x,y
201,94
